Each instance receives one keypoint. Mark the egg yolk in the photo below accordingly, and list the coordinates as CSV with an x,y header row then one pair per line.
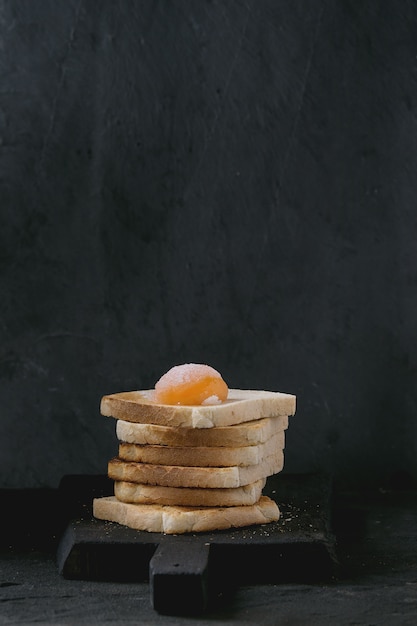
x,y
189,384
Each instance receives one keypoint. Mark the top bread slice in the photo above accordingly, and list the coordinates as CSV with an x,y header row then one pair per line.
x,y
240,406
236,436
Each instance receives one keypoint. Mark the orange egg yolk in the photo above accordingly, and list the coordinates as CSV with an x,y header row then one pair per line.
x,y
191,384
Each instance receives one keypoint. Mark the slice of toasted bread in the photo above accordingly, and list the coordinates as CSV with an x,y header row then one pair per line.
x,y
178,519
241,406
201,477
201,456
186,496
246,434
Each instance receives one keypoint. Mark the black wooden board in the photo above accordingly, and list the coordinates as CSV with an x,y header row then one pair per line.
x,y
186,572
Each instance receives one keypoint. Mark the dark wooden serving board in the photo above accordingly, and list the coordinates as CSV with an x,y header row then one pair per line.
x,y
187,572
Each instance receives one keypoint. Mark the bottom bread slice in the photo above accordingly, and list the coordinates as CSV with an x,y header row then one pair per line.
x,y
180,519
188,496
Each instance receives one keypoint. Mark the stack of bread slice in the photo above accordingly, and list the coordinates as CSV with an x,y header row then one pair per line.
x,y
194,468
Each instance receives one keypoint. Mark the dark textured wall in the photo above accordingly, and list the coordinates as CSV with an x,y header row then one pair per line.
x,y
225,182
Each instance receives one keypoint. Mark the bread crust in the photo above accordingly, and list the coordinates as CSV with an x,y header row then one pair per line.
x,y
201,456
246,434
241,406
201,477
188,496
179,520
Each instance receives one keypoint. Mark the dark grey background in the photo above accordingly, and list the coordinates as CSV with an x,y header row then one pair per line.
x,y
225,182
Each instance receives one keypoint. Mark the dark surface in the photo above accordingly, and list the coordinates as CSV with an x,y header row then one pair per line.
x,y
232,183
203,567
179,578
376,584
